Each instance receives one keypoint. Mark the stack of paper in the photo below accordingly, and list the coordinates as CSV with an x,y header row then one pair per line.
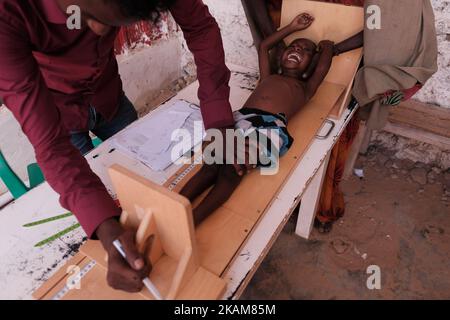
x,y
151,139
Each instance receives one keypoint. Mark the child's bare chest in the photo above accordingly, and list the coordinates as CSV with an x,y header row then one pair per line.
x,y
277,94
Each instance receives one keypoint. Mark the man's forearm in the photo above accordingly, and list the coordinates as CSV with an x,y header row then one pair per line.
x,y
203,37
325,60
108,232
355,42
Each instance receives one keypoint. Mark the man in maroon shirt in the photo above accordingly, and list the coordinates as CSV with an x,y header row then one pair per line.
x,y
61,83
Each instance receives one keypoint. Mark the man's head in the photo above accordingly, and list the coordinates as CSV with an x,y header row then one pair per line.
x,y
101,15
297,57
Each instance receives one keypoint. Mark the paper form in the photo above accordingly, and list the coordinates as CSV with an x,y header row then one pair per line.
x,y
150,140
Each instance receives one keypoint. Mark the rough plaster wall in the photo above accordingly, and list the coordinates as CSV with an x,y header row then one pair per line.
x,y
237,38
149,59
147,70
437,90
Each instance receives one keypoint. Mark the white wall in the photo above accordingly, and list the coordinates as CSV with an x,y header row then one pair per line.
x,y
146,70
437,90
237,38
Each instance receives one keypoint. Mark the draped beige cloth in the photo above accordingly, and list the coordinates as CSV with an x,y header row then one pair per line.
x,y
397,57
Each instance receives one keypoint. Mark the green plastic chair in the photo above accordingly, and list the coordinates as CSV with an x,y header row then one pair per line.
x,y
13,182
96,142
15,185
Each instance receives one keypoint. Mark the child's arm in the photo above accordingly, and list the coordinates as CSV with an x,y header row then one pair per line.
x,y
323,66
355,42
352,43
301,22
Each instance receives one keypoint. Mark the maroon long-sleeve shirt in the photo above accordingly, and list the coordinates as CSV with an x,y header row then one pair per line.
x,y
49,75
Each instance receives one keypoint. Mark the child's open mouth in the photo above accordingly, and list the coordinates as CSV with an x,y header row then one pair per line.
x,y
294,57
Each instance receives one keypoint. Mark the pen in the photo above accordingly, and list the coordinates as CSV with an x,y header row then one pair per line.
x,y
148,284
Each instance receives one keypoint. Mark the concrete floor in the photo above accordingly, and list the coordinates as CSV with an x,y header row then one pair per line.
x,y
391,221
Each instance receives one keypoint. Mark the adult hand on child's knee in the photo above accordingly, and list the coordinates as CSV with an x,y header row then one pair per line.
x,y
325,45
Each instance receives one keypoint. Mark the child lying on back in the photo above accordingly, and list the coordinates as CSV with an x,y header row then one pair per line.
x,y
277,99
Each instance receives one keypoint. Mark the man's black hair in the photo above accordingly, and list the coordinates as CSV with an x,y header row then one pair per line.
x,y
144,9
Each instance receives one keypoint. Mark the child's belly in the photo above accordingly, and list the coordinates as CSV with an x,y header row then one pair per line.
x,y
277,95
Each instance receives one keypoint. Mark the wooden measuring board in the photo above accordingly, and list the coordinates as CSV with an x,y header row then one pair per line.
x,y
335,22
221,235
154,213
92,284
203,285
349,63
212,246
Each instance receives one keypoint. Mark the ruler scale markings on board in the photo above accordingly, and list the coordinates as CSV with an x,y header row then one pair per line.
x,y
184,174
39,222
58,235
83,272
181,177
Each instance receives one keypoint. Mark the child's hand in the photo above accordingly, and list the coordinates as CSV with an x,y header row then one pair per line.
x,y
326,45
302,21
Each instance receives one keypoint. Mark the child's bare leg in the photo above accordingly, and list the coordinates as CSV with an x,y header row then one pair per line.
x,y
204,179
227,181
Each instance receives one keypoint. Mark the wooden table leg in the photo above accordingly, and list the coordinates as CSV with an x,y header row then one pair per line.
x,y
310,202
355,150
